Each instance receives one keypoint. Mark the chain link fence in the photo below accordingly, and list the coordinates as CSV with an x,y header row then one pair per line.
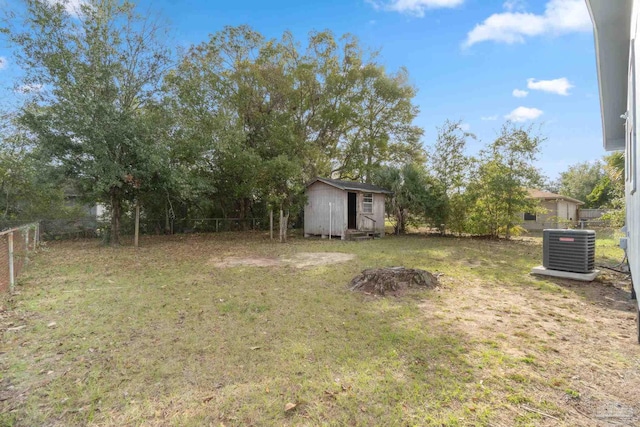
x,y
16,245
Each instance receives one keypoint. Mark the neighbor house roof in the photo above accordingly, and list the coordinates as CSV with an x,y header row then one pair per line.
x,y
546,195
612,28
350,185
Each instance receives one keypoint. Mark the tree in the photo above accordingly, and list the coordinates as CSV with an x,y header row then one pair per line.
x,y
451,167
499,187
580,180
100,68
382,127
416,197
448,161
30,187
268,115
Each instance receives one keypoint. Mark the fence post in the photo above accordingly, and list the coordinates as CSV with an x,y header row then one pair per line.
x,y
12,279
36,237
26,245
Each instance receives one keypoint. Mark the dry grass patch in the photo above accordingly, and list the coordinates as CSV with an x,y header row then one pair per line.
x,y
161,336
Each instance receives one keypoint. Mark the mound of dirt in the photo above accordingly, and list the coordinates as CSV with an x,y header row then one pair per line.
x,y
380,281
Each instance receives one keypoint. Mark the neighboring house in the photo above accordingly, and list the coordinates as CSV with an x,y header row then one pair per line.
x,y
344,209
616,31
558,211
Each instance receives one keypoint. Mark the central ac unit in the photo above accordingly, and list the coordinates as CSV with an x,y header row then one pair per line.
x,y
569,250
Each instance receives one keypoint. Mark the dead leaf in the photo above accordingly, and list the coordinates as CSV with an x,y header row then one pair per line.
x,y
51,324
255,348
207,399
290,406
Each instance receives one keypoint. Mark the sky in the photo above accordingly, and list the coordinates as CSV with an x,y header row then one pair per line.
x,y
479,61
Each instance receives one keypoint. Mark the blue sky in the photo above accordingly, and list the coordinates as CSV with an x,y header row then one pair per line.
x,y
466,57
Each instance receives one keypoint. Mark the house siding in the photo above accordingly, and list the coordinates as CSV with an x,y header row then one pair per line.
x,y
554,209
631,150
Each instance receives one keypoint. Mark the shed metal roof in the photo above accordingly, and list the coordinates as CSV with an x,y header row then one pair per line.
x,y
350,185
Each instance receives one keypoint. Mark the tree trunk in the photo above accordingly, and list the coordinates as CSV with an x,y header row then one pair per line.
x,y
116,213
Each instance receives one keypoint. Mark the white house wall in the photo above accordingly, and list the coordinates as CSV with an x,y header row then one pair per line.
x,y
631,179
316,211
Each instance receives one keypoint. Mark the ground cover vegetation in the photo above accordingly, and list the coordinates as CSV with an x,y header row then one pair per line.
x,y
233,329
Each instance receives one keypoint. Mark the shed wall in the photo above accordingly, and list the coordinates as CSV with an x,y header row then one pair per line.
x,y
364,219
316,211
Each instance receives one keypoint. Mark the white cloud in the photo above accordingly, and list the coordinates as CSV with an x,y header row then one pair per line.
x,y
489,118
518,93
414,7
523,114
3,62
559,86
71,6
560,16
465,127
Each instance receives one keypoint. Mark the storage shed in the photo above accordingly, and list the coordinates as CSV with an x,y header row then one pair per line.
x,y
344,209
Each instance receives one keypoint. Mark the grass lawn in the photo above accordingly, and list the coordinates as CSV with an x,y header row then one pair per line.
x,y
182,332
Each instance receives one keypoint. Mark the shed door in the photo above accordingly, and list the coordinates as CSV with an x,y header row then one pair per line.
x,y
352,203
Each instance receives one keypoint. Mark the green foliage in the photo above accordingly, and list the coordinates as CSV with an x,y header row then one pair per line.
x,y
451,168
102,73
580,182
30,187
417,198
499,185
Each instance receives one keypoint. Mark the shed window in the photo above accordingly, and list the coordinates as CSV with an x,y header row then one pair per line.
x,y
367,203
529,217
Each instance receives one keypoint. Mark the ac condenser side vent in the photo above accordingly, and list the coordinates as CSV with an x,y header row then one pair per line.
x,y
569,250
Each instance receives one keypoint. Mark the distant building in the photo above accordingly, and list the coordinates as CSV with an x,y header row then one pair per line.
x,y
559,211
344,209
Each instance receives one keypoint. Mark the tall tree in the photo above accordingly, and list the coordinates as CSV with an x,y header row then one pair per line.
x,y
580,180
451,167
100,67
417,198
447,159
499,187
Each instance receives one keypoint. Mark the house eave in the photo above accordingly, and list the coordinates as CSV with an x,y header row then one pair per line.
x,y
612,32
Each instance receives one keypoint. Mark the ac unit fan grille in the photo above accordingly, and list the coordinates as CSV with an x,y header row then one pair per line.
x,y
569,250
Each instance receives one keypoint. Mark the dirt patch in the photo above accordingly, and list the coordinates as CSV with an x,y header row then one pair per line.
x,y
299,260
392,280
575,349
314,259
